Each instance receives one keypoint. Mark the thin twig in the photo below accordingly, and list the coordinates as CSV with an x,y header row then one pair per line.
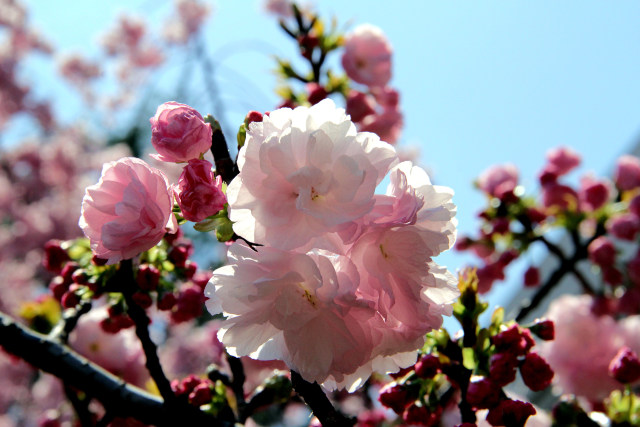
x,y
237,385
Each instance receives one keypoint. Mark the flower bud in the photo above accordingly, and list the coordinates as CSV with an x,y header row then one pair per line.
x,y
532,277
148,277
625,366
428,366
543,329
396,397
502,369
54,256
602,252
625,226
201,394
513,413
199,193
536,372
179,133
627,172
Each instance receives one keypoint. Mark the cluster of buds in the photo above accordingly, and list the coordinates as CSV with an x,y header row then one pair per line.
x,y
602,218
198,391
474,367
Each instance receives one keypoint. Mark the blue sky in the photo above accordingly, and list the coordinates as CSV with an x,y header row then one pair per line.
x,y
482,82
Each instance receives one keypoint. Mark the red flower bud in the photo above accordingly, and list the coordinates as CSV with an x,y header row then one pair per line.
x,y
532,277
543,329
536,372
625,366
396,397
428,366
512,413
54,256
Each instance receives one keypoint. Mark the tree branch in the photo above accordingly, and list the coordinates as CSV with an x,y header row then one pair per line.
x,y
319,403
118,397
125,281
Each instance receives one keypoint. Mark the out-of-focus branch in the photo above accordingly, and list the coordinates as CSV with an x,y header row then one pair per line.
x,y
118,397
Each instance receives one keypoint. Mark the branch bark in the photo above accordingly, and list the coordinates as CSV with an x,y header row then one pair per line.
x,y
118,397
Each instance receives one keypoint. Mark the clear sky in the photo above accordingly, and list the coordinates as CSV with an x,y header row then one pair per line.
x,y
482,82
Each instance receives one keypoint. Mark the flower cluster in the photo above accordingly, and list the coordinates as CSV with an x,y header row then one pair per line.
x,y
473,368
343,283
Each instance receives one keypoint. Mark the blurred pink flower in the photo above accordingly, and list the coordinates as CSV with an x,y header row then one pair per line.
x,y
594,193
625,226
627,172
191,14
179,133
559,196
199,192
120,354
562,160
584,346
305,172
367,56
498,180
128,211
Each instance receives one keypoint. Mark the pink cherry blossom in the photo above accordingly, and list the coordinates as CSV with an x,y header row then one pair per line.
x,y
120,353
128,211
298,308
559,196
627,173
367,56
199,193
179,133
584,346
498,180
305,172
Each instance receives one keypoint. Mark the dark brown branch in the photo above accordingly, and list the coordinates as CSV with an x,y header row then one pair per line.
x,y
124,279
237,385
225,166
118,397
319,403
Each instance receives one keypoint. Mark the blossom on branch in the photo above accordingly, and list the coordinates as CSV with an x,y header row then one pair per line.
x,y
128,211
345,284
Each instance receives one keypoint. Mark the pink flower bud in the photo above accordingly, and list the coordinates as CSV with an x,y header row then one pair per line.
x,y
562,160
532,277
148,277
54,256
58,287
499,180
627,173
178,255
536,372
201,394
167,302
593,194
543,329
179,133
367,56
513,413
396,397
502,368
359,105
625,366
252,116
128,211
316,93
428,366
199,193
559,196
633,269
513,340
602,252
625,226
189,305
483,394
142,299
69,300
